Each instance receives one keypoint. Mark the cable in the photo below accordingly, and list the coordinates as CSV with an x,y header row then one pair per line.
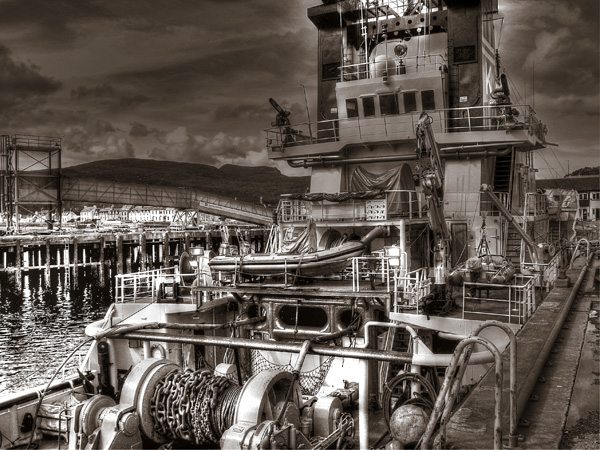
x,y
43,393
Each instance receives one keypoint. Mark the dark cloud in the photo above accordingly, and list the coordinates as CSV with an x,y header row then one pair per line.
x,y
549,43
101,127
139,130
50,22
242,111
104,90
242,64
222,148
96,140
24,88
106,93
132,100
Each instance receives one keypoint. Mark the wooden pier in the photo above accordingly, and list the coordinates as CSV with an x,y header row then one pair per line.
x,y
105,252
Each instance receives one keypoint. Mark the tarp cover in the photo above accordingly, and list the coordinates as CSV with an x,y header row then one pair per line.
x,y
305,242
396,179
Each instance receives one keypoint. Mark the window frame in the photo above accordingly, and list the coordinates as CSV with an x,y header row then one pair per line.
x,y
395,106
369,97
357,112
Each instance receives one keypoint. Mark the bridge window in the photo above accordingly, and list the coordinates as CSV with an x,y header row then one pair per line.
x,y
388,104
369,106
410,101
352,107
428,100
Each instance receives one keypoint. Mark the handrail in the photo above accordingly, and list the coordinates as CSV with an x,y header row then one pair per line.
x,y
391,67
513,439
523,298
451,373
463,119
576,248
395,203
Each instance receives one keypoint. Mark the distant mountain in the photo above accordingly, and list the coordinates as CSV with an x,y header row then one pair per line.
x,y
242,182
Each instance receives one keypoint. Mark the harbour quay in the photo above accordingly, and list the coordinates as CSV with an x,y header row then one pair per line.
x,y
106,253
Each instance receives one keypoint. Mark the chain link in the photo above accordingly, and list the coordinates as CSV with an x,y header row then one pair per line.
x,y
193,406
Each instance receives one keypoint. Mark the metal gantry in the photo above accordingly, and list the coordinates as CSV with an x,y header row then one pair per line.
x,y
30,171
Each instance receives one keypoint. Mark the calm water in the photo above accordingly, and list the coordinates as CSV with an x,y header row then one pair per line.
x,y
40,326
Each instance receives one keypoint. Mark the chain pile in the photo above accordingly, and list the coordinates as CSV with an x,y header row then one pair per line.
x,y
194,406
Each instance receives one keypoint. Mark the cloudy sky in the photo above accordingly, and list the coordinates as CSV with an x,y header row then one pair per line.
x,y
189,80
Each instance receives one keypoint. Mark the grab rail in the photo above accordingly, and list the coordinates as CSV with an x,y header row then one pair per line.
x,y
444,401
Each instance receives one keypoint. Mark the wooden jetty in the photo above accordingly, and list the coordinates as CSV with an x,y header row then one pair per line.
x,y
122,252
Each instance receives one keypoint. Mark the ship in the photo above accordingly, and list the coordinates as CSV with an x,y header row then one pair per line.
x,y
388,291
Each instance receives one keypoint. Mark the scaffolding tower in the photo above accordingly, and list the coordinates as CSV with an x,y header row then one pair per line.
x,y
30,178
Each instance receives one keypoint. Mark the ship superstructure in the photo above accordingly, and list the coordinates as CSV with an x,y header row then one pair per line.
x,y
380,66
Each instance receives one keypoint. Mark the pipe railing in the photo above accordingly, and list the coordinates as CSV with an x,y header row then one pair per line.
x,y
513,440
392,66
399,126
410,289
145,286
576,249
395,203
444,397
519,299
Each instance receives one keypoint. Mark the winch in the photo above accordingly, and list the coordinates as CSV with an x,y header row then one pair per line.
x,y
162,404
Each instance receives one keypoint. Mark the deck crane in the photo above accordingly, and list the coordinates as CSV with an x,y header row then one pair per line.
x,y
431,178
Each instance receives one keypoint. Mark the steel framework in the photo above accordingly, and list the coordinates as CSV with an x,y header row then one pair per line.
x,y
30,171
84,190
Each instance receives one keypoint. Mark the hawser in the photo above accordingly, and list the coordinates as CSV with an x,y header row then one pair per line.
x,y
420,163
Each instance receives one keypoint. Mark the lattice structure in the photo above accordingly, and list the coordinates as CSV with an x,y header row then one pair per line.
x,y
310,381
30,172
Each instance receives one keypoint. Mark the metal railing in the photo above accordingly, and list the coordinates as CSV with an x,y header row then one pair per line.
x,y
366,267
399,126
411,289
469,203
535,204
395,203
393,66
517,301
150,285
547,272
100,191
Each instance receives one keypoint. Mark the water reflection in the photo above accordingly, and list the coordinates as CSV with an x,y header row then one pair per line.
x,y
41,325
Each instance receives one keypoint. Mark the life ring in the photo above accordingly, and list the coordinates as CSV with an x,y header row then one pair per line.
x,y
552,250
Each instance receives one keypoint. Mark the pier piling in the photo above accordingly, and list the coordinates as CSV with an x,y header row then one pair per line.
x,y
120,253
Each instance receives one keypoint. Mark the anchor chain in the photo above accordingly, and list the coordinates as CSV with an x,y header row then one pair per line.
x,y
194,406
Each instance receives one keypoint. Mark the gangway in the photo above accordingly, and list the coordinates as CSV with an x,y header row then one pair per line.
x,y
86,190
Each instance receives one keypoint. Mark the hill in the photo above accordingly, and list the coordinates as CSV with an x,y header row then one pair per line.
x,y
242,182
